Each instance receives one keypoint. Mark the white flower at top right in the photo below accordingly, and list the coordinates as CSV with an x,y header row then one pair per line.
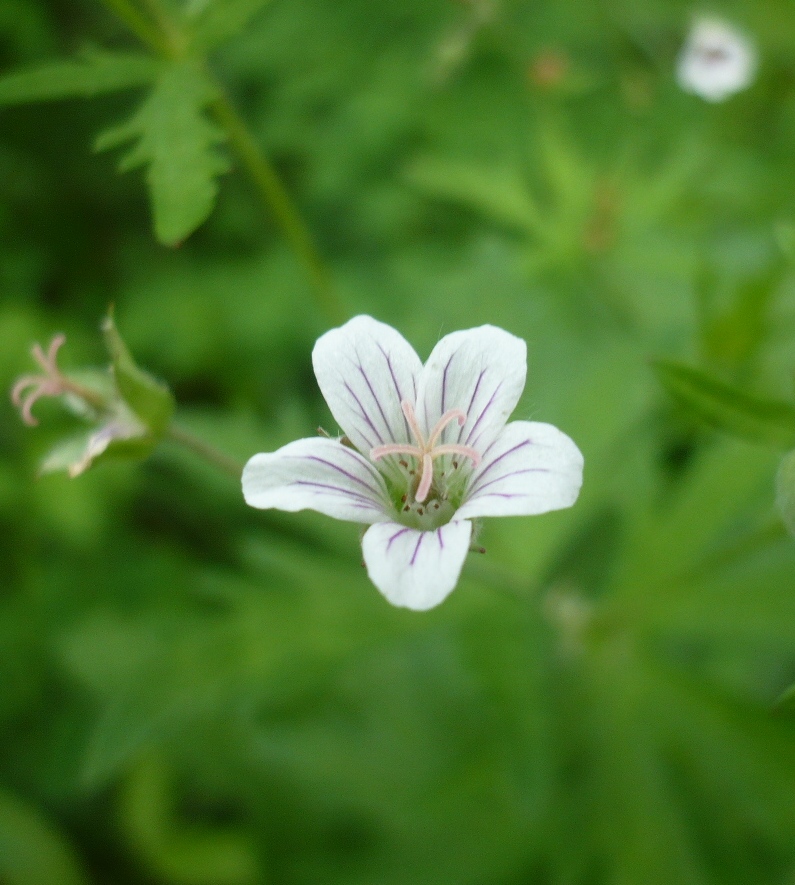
x,y
716,61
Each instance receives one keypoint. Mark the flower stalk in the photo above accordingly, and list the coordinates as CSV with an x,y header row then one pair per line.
x,y
208,453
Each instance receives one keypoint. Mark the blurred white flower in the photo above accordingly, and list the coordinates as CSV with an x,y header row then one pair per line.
x,y
432,452
716,61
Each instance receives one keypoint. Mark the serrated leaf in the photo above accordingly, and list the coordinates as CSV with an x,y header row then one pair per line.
x,y
177,143
785,490
211,22
94,74
726,407
149,399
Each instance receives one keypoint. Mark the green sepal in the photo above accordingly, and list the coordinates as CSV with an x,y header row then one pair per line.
x,y
151,401
727,408
119,438
785,490
65,453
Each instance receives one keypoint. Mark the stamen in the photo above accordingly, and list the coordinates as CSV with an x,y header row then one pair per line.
x,y
48,362
453,449
449,416
424,451
427,478
394,449
408,411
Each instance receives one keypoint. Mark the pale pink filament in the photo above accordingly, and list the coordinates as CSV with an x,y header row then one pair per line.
x,y
427,451
51,383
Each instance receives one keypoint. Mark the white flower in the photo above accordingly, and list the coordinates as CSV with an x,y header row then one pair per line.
x,y
432,451
716,61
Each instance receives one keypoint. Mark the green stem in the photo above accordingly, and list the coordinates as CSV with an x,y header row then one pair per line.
x,y
164,38
143,29
277,199
226,464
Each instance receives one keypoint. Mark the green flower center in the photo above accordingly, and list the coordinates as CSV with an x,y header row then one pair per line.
x,y
427,481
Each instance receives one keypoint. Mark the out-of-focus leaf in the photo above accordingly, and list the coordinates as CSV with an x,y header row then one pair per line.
x,y
177,143
181,854
32,850
785,490
499,193
213,21
150,400
94,74
726,407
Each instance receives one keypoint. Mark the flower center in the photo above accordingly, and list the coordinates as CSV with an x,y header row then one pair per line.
x,y
427,451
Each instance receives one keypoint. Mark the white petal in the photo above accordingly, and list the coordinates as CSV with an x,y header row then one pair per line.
x,y
480,371
717,61
415,569
530,468
317,474
364,370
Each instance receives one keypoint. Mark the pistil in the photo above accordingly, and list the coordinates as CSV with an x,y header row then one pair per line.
x,y
426,452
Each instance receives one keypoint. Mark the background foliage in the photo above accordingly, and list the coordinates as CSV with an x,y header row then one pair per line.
x,y
195,693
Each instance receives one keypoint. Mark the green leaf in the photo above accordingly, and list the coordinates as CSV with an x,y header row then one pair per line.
x,y
31,850
500,194
180,852
726,407
213,21
177,143
150,400
93,74
785,490
786,703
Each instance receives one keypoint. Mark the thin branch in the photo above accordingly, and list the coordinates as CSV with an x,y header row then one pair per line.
x,y
143,29
218,459
278,201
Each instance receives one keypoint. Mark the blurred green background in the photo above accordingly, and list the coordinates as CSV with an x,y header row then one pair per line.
x,y
196,693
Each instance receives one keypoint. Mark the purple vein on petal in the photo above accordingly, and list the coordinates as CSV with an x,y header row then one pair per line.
x,y
444,384
394,537
441,540
398,391
503,495
489,404
331,488
477,489
487,468
345,473
468,410
417,548
357,457
389,433
364,415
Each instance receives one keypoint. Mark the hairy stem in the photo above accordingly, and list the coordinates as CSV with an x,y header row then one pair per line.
x,y
218,459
